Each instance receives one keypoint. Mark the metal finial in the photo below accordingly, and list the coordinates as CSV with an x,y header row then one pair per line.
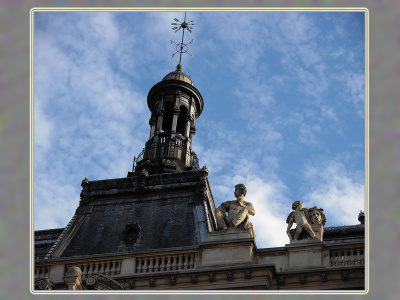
x,y
181,47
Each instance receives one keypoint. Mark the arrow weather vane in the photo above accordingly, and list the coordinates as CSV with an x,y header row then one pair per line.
x,y
182,48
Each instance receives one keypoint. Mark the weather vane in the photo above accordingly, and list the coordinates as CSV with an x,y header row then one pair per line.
x,y
181,47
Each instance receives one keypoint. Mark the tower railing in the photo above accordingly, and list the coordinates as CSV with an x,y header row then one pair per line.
x,y
163,146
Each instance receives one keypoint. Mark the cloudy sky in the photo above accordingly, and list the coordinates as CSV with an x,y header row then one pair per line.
x,y
283,107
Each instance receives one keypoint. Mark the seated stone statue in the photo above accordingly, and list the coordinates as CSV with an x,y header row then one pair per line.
x,y
238,211
310,222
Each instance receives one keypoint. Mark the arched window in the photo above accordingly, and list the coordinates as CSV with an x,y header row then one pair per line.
x,y
180,126
168,115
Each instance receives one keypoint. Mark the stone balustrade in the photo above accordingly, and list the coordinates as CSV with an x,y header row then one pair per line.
x,y
347,257
164,263
42,272
111,267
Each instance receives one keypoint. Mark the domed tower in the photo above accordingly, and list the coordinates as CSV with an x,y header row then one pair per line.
x,y
175,104
165,202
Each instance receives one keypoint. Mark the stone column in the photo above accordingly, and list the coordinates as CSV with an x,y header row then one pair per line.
x,y
152,124
174,121
160,114
176,113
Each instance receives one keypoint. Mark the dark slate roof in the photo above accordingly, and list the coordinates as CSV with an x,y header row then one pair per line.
x,y
44,239
120,216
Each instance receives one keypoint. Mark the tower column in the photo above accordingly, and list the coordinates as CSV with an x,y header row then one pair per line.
x,y
192,128
160,113
152,124
187,126
176,113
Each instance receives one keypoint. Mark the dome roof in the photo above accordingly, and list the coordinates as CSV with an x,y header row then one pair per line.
x,y
178,75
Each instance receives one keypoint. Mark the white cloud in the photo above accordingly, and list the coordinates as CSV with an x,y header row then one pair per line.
x,y
337,190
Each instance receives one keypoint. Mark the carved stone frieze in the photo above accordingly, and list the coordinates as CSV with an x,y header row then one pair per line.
x,y
44,284
324,276
194,278
229,275
303,278
152,282
248,273
132,284
211,276
345,275
101,282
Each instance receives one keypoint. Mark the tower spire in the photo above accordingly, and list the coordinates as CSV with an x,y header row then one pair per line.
x,y
182,47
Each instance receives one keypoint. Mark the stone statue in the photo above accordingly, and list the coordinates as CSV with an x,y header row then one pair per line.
x,y
309,221
317,221
238,211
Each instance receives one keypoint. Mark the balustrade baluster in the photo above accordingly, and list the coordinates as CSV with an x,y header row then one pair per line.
x,y
336,258
113,270
108,267
146,265
101,269
345,257
162,265
341,257
362,256
151,264
180,262
139,265
358,258
191,260
87,266
351,257
174,263
119,267
168,267
186,264
157,264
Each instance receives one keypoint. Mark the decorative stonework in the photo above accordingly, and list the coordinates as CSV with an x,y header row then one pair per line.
x,y
172,279
44,284
101,282
211,277
345,275
201,187
132,284
303,278
152,282
310,222
281,279
229,275
324,276
194,278
85,198
248,273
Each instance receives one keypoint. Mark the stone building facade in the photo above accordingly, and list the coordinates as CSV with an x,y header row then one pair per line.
x,y
156,228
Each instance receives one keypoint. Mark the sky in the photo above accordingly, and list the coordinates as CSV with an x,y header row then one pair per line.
x,y
284,107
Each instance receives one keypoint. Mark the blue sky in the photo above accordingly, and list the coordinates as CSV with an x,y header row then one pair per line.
x,y
283,107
